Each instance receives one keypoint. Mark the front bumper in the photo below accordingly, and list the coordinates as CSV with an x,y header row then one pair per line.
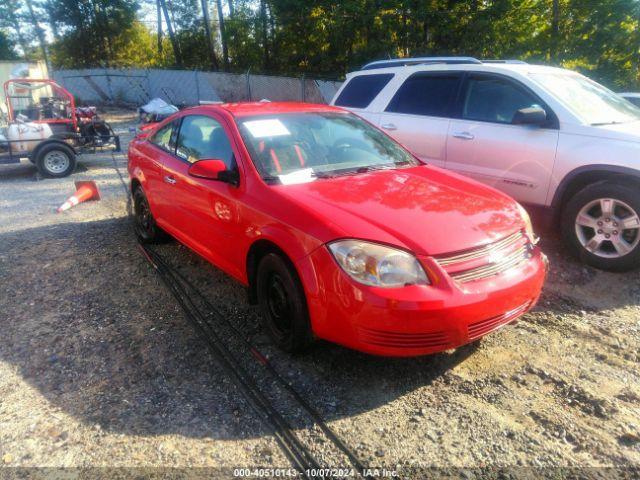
x,y
415,320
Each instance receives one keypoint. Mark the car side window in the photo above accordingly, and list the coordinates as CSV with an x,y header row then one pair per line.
x,y
165,137
203,137
425,94
494,99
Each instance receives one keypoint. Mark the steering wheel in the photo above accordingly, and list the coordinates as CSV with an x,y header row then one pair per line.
x,y
315,156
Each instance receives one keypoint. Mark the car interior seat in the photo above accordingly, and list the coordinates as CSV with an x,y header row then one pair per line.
x,y
219,147
191,143
278,155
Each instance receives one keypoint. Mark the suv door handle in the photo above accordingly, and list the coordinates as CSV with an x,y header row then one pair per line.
x,y
464,135
170,180
388,126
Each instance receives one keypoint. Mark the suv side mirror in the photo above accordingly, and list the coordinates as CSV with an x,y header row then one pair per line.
x,y
213,169
529,116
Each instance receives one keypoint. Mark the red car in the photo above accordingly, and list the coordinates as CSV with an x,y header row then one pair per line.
x,y
338,232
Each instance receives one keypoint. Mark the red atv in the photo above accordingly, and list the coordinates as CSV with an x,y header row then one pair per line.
x,y
44,125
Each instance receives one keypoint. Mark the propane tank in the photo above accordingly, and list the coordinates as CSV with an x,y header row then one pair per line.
x,y
24,137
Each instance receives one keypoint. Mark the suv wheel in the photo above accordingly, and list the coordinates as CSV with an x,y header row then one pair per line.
x,y
601,224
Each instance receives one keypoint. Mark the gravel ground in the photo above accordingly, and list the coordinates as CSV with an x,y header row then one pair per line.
x,y
99,367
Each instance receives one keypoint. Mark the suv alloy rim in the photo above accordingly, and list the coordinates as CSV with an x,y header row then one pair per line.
x,y
56,161
608,228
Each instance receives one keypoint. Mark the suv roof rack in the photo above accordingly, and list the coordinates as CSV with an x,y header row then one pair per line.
x,y
517,62
400,62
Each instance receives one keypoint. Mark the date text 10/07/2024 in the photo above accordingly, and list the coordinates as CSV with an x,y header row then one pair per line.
x,y
314,472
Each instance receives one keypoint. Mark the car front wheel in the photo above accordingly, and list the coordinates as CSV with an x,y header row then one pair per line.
x,y
145,225
601,225
285,317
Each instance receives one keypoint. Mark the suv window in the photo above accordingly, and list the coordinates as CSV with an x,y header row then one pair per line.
x,y
361,90
494,99
634,100
203,137
425,94
165,138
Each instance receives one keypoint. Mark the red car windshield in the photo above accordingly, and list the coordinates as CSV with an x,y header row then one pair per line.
x,y
298,147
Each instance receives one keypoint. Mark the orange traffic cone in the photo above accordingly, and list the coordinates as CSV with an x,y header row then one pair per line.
x,y
85,191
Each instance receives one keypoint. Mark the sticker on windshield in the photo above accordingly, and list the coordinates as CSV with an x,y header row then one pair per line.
x,y
266,128
299,176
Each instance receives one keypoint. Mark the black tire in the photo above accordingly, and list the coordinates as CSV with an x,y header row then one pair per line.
x,y
98,133
145,225
285,317
606,256
55,160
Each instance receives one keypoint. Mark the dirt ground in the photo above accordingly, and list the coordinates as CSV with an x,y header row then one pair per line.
x,y
99,367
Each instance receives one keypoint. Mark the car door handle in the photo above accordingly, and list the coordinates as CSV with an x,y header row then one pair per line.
x,y
389,126
170,180
464,135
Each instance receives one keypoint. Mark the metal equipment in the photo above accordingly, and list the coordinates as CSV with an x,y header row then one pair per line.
x,y
44,125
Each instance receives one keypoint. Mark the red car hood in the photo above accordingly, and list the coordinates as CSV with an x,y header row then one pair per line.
x,y
425,209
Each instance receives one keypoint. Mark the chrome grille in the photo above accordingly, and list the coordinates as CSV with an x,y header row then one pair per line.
x,y
488,260
483,327
403,340
481,251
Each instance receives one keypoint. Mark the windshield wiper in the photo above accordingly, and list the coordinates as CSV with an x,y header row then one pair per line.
x,y
358,170
392,166
342,173
324,175
270,179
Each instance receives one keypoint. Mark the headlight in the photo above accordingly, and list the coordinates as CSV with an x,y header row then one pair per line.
x,y
378,265
528,226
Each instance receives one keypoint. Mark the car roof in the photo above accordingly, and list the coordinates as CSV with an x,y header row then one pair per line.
x,y
246,109
630,94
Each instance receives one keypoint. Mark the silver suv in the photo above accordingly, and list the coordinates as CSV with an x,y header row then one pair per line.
x,y
549,137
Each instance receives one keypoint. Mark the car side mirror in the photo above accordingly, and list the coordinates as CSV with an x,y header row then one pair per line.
x,y
529,116
213,169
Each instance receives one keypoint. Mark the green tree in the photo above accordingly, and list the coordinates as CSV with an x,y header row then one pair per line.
x,y
90,30
7,47
332,37
12,23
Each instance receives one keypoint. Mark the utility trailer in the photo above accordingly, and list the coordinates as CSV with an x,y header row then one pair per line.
x,y
44,125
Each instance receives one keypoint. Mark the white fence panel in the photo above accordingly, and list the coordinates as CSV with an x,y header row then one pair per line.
x,y
276,89
188,87
327,89
229,87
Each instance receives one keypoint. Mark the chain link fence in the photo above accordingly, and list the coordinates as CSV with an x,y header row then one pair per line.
x,y
189,87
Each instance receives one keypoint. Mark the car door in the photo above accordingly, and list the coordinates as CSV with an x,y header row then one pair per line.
x,y
204,212
152,154
418,114
483,143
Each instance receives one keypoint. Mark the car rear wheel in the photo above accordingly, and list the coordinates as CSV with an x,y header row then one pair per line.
x,y
601,225
145,225
55,161
285,317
